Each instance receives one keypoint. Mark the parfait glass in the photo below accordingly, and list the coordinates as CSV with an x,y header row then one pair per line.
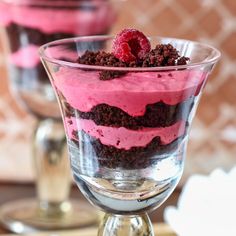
x,y
127,135
27,24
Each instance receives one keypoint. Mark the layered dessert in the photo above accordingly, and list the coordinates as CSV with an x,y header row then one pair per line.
x,y
127,112
32,23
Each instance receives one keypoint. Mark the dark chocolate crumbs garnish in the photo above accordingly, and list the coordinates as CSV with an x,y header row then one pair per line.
x,y
102,58
162,55
108,75
182,60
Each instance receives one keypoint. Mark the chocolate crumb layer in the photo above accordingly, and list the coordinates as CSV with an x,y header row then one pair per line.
x,y
162,55
35,36
111,157
102,58
156,115
108,75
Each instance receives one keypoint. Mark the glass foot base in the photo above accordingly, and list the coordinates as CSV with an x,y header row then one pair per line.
x,y
126,225
25,216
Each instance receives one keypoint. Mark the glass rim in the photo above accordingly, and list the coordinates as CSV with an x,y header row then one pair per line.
x,y
62,3
43,56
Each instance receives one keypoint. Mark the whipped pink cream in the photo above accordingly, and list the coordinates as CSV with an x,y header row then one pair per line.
x,y
123,138
26,57
83,90
51,20
5,16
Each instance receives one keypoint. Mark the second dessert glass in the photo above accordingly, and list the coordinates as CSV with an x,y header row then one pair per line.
x,y
127,136
28,24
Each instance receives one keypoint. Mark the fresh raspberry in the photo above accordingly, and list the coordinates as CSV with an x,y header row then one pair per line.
x,y
130,45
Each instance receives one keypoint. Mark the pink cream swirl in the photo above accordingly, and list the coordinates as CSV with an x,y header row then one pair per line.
x,y
25,57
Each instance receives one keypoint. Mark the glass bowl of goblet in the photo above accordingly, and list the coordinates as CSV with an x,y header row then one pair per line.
x,y
127,135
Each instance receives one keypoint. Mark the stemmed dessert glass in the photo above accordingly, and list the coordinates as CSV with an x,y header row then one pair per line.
x,y
27,25
127,128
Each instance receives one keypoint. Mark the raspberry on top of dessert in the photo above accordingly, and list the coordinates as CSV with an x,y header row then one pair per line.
x,y
131,48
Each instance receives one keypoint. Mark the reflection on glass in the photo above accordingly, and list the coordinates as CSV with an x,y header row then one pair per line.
x,y
28,24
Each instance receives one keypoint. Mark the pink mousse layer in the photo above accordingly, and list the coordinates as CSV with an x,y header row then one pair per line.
x,y
83,90
26,57
47,20
5,16
123,138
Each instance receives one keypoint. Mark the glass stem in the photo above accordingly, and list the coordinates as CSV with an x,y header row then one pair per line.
x,y
53,176
128,225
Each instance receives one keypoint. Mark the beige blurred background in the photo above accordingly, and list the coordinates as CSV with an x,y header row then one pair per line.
x,y
213,135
